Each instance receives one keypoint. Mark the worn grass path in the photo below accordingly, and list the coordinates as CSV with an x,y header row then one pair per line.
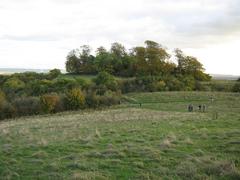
x,y
158,140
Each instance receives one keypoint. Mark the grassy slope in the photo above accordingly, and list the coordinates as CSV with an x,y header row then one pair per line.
x,y
160,139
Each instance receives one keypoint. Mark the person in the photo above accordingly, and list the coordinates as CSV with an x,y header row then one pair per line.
x,y
212,99
204,108
200,107
190,108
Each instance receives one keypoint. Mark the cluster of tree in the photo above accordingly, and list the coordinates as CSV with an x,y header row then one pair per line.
x,y
150,60
73,99
147,69
33,93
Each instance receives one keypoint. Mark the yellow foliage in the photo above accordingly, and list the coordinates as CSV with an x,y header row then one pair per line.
x,y
49,102
75,98
2,98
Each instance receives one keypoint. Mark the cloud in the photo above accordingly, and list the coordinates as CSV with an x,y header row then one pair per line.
x,y
33,38
52,25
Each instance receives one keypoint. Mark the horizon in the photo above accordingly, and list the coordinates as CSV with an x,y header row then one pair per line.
x,y
208,30
64,71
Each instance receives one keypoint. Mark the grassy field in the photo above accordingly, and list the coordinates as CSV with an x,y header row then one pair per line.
x,y
159,140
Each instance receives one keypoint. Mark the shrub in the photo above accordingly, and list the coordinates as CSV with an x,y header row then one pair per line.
x,y
13,85
109,99
54,73
200,86
75,99
173,84
27,106
7,111
127,85
106,79
224,87
61,105
160,85
2,98
63,84
92,100
236,87
49,102
39,87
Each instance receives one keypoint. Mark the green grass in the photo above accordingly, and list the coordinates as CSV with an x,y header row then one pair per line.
x,y
159,140
87,78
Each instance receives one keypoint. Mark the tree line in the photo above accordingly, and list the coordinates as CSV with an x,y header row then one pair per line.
x,y
149,60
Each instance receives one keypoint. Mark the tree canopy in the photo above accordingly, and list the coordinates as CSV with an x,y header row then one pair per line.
x,y
152,59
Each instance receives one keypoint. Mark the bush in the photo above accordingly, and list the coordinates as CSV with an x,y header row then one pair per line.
x,y
75,99
13,85
200,86
236,87
2,98
109,99
39,87
224,87
7,111
106,79
173,84
27,106
54,73
49,102
92,100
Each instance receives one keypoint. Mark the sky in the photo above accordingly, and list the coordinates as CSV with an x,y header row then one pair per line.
x,y
40,33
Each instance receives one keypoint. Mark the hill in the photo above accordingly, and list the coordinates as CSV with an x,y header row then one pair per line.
x,y
158,139
224,77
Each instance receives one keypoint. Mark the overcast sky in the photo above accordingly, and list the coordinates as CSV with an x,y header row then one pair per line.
x,y
40,33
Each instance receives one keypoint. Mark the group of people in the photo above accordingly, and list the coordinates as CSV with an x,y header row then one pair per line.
x,y
201,108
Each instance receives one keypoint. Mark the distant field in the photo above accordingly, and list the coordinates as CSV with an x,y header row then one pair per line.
x,y
13,70
158,140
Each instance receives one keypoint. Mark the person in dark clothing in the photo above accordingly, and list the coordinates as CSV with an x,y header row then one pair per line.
x,y
190,108
200,107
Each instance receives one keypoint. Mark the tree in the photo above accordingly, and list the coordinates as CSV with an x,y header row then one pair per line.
x,y
54,73
180,59
151,59
80,61
141,62
118,50
72,62
156,56
86,60
103,61
189,65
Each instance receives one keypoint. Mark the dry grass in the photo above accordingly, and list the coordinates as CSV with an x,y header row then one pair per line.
x,y
127,143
